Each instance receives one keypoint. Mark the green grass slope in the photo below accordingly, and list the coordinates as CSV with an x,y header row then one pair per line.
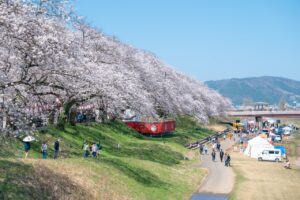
x,y
141,168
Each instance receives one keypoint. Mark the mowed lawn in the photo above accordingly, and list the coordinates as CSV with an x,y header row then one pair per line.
x,y
265,180
141,168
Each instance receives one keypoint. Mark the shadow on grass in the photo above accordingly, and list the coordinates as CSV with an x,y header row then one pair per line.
x,y
140,175
191,135
22,181
9,147
152,152
132,145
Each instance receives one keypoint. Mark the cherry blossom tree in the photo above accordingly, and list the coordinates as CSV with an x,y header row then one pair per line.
x,y
50,59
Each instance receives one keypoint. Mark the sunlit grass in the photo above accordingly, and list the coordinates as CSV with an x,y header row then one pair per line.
x,y
142,168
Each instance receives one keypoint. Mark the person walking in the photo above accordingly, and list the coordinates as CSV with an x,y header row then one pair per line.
x,y
225,158
214,146
205,148
86,150
27,147
227,161
56,149
44,150
230,136
94,150
221,155
218,146
213,155
201,149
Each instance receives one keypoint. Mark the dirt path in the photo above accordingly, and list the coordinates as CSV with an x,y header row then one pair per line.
x,y
220,179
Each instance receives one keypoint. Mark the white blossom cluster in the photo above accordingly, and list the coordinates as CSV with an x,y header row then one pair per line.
x,y
47,53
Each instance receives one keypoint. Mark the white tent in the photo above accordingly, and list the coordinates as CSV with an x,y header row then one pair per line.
x,y
256,145
271,121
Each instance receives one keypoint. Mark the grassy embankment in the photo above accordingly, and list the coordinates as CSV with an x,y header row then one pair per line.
x,y
142,168
267,180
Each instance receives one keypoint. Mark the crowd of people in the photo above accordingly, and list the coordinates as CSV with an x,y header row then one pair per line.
x,y
216,148
89,149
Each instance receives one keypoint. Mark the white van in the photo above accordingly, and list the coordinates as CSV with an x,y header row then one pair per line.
x,y
270,155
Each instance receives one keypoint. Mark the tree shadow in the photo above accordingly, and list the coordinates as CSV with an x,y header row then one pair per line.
x,y
151,152
140,175
23,181
73,138
7,148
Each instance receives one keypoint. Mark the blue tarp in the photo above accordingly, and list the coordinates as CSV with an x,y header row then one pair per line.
x,y
282,148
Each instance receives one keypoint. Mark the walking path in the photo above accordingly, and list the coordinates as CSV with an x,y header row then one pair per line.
x,y
220,179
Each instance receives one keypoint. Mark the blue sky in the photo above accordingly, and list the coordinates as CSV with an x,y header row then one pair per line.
x,y
207,39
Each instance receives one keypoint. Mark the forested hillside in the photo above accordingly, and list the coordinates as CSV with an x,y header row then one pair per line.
x,y
268,89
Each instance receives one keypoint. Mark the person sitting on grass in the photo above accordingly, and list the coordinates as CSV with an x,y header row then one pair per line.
x,y
287,164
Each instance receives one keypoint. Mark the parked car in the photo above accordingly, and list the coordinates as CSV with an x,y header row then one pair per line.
x,y
277,138
270,155
287,132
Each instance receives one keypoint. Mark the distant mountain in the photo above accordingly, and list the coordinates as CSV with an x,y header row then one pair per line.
x,y
268,89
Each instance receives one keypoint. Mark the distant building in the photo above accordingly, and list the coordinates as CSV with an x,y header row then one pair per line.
x,y
260,106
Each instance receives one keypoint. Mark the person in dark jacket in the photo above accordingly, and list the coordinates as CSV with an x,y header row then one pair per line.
x,y
99,147
227,161
213,155
218,146
201,149
56,149
221,155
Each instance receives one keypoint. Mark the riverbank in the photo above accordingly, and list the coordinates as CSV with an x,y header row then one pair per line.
x,y
267,180
130,166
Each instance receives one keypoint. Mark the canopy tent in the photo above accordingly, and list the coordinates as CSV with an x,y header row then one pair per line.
x,y
256,145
